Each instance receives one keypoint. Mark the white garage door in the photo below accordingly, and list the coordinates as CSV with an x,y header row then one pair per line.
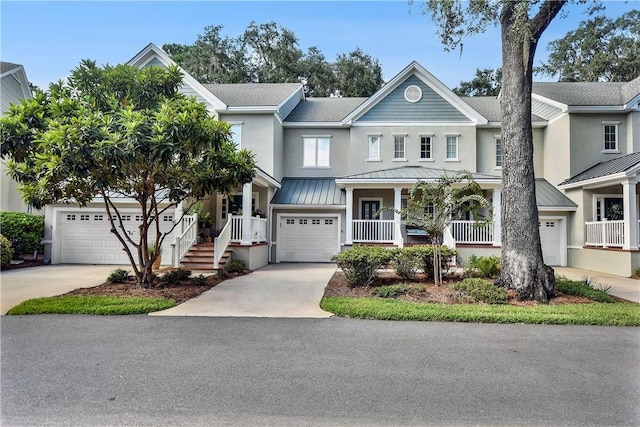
x,y
308,239
85,237
551,240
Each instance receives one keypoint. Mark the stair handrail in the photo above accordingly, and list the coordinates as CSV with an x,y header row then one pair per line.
x,y
221,243
187,239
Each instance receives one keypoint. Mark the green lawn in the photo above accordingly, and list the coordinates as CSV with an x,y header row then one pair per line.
x,y
91,304
605,314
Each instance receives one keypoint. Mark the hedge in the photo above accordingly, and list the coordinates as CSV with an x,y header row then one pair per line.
x,y
24,231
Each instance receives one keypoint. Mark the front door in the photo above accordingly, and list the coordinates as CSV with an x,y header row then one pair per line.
x,y
369,210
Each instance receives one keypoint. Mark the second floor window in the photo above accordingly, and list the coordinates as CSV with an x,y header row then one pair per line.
x,y
236,135
398,147
498,152
316,152
610,137
374,147
425,148
452,147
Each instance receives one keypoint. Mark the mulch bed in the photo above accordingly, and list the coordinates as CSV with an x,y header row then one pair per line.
x,y
338,287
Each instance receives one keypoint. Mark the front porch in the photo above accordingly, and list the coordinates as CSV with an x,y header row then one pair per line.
x,y
612,234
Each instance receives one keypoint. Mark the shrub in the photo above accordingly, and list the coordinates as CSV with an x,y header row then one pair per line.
x,y
570,287
480,290
234,266
406,263
391,291
24,229
360,263
484,266
200,280
425,255
7,252
176,276
118,276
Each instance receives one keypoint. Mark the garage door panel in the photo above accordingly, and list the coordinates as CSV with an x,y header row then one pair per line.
x,y
551,241
308,239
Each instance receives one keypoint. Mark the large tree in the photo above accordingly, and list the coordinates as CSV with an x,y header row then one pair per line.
x,y
600,49
358,74
521,23
116,132
487,82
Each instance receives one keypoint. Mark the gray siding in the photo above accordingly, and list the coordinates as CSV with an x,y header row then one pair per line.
x,y
184,89
545,111
431,108
288,106
11,92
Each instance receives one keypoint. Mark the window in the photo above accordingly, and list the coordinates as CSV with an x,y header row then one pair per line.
x,y
452,147
610,136
167,218
498,152
316,152
98,217
374,147
398,147
425,148
84,217
236,135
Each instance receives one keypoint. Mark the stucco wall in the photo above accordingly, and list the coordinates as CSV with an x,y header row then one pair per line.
x,y
258,135
621,263
555,151
255,256
339,152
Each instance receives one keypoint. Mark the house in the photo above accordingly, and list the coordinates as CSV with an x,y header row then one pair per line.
x,y
14,87
327,165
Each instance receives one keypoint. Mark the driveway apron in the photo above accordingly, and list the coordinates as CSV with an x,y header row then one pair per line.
x,y
290,290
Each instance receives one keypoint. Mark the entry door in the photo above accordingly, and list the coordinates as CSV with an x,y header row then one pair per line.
x,y
370,208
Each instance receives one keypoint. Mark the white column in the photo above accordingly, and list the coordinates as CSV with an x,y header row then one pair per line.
x,y
497,215
247,195
630,214
397,217
348,235
177,216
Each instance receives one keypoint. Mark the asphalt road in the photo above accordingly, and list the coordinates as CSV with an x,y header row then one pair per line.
x,y
139,370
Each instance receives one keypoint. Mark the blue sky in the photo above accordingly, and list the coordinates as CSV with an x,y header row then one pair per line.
x,y
50,38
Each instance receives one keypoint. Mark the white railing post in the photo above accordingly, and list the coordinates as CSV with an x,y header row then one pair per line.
x,y
604,233
348,235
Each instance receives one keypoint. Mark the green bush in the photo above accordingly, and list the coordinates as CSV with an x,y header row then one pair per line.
x,y
406,263
234,266
25,230
480,290
391,291
118,276
175,276
7,252
360,263
425,256
484,266
581,289
200,280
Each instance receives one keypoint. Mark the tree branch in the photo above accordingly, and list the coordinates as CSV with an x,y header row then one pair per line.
x,y
545,15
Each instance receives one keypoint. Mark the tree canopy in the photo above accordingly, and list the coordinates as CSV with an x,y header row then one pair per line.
x,y
487,82
269,53
600,49
116,132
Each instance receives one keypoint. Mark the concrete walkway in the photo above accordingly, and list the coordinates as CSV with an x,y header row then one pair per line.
x,y
277,290
47,281
622,287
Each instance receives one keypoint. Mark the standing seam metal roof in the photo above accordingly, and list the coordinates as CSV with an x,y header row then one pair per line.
x,y
548,196
609,167
413,172
309,191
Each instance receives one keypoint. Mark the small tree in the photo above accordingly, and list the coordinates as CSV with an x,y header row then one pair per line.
x,y
118,132
432,206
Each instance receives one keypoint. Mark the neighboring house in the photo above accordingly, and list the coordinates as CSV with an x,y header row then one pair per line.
x,y
14,87
327,165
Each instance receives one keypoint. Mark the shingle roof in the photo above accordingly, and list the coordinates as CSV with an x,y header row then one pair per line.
x,y
549,197
588,93
253,94
324,109
489,107
609,167
414,172
309,191
7,66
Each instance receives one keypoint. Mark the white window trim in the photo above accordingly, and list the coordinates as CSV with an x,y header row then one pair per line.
x,y
426,159
497,138
316,166
370,199
374,159
446,142
404,137
616,124
239,134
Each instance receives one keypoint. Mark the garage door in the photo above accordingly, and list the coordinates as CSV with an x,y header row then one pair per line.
x,y
85,237
308,239
551,240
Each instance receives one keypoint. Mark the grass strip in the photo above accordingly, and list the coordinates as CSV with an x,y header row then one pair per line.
x,y
91,304
618,314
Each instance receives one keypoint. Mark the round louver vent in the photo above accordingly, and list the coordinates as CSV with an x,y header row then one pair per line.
x,y
413,93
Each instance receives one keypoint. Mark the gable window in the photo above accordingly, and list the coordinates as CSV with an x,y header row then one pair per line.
x,y
610,137
236,135
316,152
398,147
374,147
498,152
452,147
426,152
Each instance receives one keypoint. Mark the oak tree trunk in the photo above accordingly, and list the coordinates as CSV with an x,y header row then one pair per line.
x,y
523,268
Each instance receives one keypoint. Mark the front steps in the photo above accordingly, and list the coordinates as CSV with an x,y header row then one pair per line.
x,y
200,258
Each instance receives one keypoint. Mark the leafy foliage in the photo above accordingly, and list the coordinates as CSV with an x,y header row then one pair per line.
x,y
487,82
406,263
360,263
484,266
118,276
391,291
480,290
582,289
6,252
358,74
121,131
25,231
234,266
176,276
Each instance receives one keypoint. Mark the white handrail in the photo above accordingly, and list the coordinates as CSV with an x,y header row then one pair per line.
x,y
379,231
221,242
605,233
472,232
188,237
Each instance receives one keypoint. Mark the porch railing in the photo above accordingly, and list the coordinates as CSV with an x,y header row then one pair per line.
x,y
605,233
186,239
221,243
472,232
258,229
236,228
374,231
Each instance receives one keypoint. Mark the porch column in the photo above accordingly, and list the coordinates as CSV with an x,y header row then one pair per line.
x,y
177,216
497,217
630,214
246,213
397,217
348,234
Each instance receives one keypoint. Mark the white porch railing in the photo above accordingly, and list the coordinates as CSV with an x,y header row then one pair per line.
x,y
221,243
236,227
472,232
378,231
605,233
258,229
186,239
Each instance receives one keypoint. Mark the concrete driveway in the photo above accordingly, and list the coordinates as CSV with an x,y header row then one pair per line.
x,y
622,287
47,281
277,290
